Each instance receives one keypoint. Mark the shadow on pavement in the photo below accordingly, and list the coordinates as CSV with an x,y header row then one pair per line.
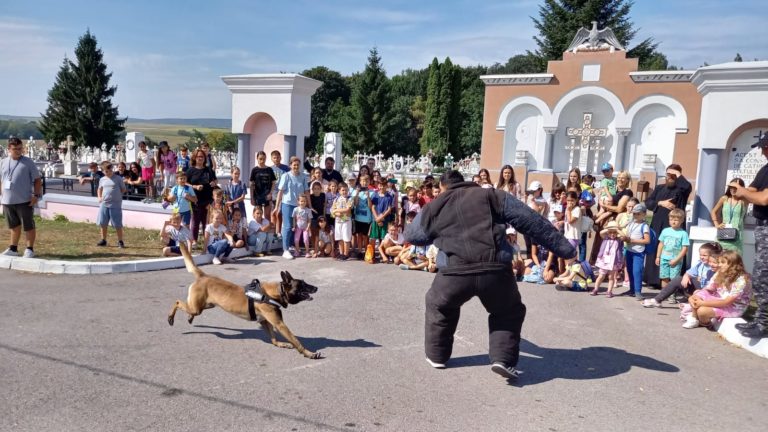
x,y
541,364
311,343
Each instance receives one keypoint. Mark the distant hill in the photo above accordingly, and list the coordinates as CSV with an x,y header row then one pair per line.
x,y
212,123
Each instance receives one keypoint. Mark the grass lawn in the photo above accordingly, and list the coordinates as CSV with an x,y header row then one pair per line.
x,y
64,240
165,132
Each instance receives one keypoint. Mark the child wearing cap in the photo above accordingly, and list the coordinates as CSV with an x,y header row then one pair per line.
x,y
537,203
638,235
610,259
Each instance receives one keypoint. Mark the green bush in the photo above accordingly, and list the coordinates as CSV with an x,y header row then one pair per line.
x,y
60,218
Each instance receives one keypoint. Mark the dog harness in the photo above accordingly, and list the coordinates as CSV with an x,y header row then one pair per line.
x,y
255,294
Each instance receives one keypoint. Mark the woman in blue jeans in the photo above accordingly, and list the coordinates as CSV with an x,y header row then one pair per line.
x,y
638,235
291,185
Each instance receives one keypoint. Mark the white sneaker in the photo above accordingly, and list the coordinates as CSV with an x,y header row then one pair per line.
x,y
691,322
435,365
288,255
651,302
9,252
216,261
29,253
508,372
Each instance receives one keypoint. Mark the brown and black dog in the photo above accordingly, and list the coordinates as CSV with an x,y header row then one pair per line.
x,y
209,291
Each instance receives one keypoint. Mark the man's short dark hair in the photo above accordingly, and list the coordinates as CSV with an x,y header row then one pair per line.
x,y
330,159
451,177
14,141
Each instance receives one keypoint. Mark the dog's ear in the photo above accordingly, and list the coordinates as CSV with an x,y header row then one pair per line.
x,y
287,278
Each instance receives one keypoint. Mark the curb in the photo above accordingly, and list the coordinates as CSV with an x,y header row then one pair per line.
x,y
758,347
36,265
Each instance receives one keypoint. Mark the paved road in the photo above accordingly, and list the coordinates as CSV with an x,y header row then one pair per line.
x,y
96,353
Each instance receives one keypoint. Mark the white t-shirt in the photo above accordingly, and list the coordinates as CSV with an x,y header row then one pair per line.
x,y
573,230
215,234
636,231
398,240
255,227
179,235
145,159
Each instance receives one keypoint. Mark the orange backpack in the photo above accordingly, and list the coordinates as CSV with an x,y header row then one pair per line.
x,y
369,254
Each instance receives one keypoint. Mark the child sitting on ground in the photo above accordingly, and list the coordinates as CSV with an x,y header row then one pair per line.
x,y
726,296
258,233
577,277
414,258
238,229
392,245
325,241
518,265
696,278
218,242
173,234
610,259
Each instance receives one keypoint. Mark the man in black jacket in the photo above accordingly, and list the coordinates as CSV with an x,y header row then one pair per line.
x,y
467,224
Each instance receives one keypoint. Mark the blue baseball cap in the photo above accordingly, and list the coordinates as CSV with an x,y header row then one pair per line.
x,y
606,167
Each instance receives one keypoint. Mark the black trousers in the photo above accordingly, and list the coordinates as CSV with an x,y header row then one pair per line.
x,y
498,293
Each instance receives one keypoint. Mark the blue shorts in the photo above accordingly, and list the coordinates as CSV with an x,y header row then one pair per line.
x,y
667,271
107,214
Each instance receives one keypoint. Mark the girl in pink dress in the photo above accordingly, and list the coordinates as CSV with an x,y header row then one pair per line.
x,y
610,259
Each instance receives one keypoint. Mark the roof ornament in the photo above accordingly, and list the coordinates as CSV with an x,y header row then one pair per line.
x,y
595,40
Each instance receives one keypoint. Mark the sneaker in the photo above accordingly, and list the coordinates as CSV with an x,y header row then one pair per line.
x,y
691,322
102,243
288,255
672,299
651,302
756,332
435,365
216,261
9,252
403,267
120,244
639,297
507,372
29,253
746,325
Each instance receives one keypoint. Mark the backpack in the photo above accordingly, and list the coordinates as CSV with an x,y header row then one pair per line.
x,y
654,244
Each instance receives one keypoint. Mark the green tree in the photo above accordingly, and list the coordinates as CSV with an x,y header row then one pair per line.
x,y
194,139
370,108
471,106
450,102
80,101
435,124
560,19
334,87
519,64
221,140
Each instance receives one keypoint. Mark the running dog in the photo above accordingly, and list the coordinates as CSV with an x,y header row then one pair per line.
x,y
210,291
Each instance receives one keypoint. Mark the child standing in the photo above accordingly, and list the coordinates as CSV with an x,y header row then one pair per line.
x,y
330,197
182,160
110,193
173,234
383,214
342,228
219,204
572,219
317,202
610,259
181,196
218,241
673,247
726,296
302,217
258,232
638,235
362,201
147,163
167,161
235,193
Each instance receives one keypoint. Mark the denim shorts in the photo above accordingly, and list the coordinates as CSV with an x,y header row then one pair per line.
x,y
107,214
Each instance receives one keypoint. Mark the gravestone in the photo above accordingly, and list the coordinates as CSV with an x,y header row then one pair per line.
x,y
332,147
132,140
70,164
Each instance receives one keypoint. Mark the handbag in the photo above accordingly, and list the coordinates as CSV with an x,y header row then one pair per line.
x,y
727,233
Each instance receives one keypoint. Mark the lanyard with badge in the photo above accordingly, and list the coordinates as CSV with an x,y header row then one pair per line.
x,y
7,184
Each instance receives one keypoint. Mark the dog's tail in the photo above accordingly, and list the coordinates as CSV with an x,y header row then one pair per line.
x,y
189,262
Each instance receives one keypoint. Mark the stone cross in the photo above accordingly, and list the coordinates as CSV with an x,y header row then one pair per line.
x,y
571,148
70,143
585,133
597,148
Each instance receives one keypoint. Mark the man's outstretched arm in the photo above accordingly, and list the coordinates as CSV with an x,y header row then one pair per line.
x,y
525,220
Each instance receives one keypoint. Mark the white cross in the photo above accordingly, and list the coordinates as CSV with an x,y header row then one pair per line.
x,y
585,133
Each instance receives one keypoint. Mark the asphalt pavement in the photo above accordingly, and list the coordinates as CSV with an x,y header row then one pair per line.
x,y
88,353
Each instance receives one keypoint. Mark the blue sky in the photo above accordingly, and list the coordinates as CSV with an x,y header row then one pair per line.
x,y
167,56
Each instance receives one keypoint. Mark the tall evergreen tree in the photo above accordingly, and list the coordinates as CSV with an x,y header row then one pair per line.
x,y
435,133
80,102
450,102
560,19
371,105
334,87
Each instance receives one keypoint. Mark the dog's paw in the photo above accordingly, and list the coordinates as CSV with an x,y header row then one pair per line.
x,y
284,345
170,319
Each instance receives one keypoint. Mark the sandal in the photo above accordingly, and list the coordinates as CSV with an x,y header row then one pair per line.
x,y
593,293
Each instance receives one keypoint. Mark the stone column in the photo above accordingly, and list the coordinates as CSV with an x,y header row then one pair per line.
x,y
621,149
244,155
549,148
707,191
289,147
